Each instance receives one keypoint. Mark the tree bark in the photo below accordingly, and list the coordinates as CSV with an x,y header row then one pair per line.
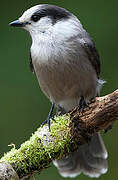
x,y
66,134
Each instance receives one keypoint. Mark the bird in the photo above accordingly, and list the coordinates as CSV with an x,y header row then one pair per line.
x,y
66,63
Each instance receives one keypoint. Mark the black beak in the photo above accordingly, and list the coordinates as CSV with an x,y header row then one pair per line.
x,y
17,23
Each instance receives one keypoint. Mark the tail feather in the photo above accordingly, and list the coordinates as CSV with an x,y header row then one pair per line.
x,y
89,159
97,147
67,163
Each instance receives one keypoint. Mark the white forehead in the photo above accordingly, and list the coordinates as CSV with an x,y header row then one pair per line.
x,y
28,13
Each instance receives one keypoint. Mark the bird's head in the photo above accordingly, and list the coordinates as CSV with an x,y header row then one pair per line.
x,y
40,18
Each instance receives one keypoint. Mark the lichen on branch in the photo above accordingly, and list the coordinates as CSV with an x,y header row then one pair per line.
x,y
44,146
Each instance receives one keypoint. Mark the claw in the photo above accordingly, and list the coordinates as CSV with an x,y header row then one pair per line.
x,y
108,129
82,104
47,121
50,116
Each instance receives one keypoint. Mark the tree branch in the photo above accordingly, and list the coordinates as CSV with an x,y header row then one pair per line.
x,y
66,134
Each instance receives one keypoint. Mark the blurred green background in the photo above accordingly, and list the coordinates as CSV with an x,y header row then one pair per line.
x,y
22,104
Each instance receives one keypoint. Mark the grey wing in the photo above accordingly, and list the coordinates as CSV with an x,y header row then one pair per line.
x,y
31,64
91,52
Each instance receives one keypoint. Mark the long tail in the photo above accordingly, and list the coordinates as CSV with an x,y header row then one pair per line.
x,y
90,159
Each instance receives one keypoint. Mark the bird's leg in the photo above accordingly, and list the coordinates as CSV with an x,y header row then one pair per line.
x,y
50,115
108,129
82,104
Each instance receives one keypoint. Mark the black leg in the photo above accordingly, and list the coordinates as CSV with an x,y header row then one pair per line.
x,y
82,104
50,115
108,129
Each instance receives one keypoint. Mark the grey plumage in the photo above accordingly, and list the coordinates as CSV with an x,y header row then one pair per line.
x,y
67,67
93,55
89,159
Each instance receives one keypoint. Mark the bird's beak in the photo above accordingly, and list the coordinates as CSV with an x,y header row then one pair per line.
x,y
17,23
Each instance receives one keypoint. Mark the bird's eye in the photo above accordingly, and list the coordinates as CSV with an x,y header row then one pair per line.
x,y
35,18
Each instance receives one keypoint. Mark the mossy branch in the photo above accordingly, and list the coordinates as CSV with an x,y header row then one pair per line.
x,y
66,134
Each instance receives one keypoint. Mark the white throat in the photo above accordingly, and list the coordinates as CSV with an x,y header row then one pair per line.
x,y
54,40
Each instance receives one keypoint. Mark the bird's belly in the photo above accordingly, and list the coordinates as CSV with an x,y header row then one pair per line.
x,y
64,84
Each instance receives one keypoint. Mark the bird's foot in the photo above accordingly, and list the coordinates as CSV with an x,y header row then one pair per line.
x,y
48,121
82,104
108,129
50,116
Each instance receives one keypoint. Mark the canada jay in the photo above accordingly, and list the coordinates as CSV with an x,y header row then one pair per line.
x,y
66,63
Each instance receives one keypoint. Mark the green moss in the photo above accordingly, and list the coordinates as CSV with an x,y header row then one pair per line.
x,y
35,154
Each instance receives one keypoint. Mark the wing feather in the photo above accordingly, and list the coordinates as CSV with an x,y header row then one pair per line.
x,y
91,52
